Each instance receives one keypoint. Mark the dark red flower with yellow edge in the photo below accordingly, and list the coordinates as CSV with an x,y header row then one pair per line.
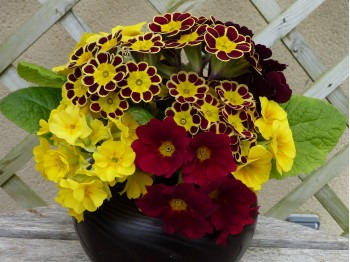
x,y
237,207
208,158
226,43
182,208
171,24
160,147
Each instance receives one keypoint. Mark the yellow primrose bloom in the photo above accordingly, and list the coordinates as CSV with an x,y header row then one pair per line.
x,y
113,159
99,132
270,111
127,124
136,184
78,217
129,31
257,169
81,196
44,128
282,146
39,153
56,165
69,124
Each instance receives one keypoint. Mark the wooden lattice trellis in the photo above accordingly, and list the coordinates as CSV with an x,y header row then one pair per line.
x,y
281,26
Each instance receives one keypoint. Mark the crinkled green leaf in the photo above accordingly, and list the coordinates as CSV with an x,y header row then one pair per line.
x,y
25,107
141,115
40,75
317,127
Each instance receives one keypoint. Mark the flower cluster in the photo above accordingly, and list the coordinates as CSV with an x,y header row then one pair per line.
x,y
184,116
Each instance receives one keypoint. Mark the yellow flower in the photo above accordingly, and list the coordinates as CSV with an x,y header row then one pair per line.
x,y
81,196
136,184
69,124
282,146
99,132
78,217
127,124
60,163
56,165
270,111
129,31
39,153
44,128
113,159
257,169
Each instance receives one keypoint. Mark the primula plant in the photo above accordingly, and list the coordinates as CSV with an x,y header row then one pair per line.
x,y
189,118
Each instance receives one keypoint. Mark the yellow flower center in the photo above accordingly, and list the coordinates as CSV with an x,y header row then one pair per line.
x,y
187,89
142,45
214,194
79,89
183,121
84,58
211,112
188,38
109,101
139,81
223,43
234,98
203,153
104,73
178,204
171,26
167,148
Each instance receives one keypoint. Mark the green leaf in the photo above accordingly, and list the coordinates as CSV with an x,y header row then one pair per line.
x,y
40,75
317,127
141,115
25,107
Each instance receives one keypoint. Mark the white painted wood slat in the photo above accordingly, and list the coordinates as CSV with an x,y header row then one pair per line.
x,y
286,21
330,80
32,29
313,183
169,6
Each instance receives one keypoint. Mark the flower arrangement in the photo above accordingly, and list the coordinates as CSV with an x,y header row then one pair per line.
x,y
188,118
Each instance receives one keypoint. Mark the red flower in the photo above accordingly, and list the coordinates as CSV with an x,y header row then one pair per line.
x,y
182,208
236,207
208,158
160,147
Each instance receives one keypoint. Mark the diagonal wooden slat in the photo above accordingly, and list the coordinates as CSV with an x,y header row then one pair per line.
x,y
10,79
169,6
286,21
330,80
32,29
313,183
304,54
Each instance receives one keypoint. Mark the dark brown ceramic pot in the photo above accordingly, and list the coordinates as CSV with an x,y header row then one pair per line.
x,y
119,232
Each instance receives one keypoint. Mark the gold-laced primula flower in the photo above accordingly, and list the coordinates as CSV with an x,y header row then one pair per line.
x,y
103,72
185,115
112,105
210,110
235,95
76,91
253,57
282,146
171,24
113,159
110,41
141,84
194,37
225,42
82,55
187,87
235,118
147,43
129,31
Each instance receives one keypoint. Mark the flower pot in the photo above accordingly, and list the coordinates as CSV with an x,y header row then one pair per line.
x,y
118,231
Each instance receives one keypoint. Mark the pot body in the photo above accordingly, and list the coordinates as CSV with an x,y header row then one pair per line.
x,y
119,232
